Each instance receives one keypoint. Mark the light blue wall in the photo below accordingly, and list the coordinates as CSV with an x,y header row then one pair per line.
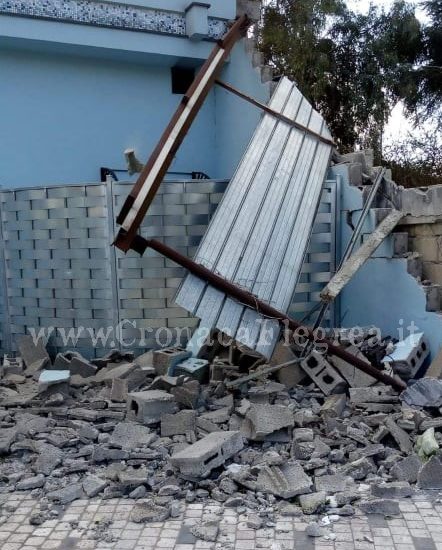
x,y
62,117
69,106
383,293
236,119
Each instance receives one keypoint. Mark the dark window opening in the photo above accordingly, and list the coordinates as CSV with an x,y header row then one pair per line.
x,y
182,78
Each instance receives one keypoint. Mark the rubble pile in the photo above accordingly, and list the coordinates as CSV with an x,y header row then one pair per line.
x,y
164,427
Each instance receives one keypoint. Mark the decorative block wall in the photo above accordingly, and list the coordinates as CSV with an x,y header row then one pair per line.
x,y
60,274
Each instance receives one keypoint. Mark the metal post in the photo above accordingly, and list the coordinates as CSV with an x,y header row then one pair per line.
x,y
6,324
140,244
136,205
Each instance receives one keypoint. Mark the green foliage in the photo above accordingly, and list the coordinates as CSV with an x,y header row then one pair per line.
x,y
355,67
417,160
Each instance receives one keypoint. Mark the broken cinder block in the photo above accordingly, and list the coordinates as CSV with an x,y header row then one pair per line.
x,y
262,420
148,406
195,368
324,375
212,451
165,360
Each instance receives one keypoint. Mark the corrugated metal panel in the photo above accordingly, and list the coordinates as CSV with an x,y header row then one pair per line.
x,y
260,233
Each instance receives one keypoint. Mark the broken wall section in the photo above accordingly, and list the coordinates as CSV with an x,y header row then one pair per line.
x,y
386,292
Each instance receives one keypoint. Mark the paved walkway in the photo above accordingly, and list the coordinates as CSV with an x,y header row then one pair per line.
x,y
105,524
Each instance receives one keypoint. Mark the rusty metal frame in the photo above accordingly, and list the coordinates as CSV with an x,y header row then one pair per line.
x,y
272,112
135,207
247,298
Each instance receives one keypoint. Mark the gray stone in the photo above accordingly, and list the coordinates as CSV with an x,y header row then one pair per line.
x,y
286,481
381,506
303,435
399,435
334,405
253,521
81,367
139,492
67,494
407,469
206,530
214,449
31,483
314,530
103,454
426,392
395,489
129,435
119,390
93,485
180,423
145,512
48,459
355,377
430,475
149,406
34,355
187,395
311,503
263,419
165,360
334,483
7,438
376,394
359,469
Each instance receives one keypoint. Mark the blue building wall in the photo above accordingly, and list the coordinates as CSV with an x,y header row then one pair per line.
x,y
382,293
73,97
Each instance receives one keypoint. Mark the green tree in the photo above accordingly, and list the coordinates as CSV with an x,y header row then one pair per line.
x,y
353,67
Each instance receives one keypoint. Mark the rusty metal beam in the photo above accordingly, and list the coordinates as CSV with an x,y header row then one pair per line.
x,y
270,111
247,298
146,187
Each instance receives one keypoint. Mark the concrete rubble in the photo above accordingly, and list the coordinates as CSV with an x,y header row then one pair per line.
x,y
163,428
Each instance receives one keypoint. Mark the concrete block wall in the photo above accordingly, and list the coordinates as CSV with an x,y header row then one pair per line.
x,y
426,240
60,275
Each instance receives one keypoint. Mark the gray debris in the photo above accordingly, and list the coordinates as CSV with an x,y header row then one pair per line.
x,y
93,485
430,475
426,392
146,512
206,530
315,530
285,481
407,469
395,489
66,494
311,503
381,506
